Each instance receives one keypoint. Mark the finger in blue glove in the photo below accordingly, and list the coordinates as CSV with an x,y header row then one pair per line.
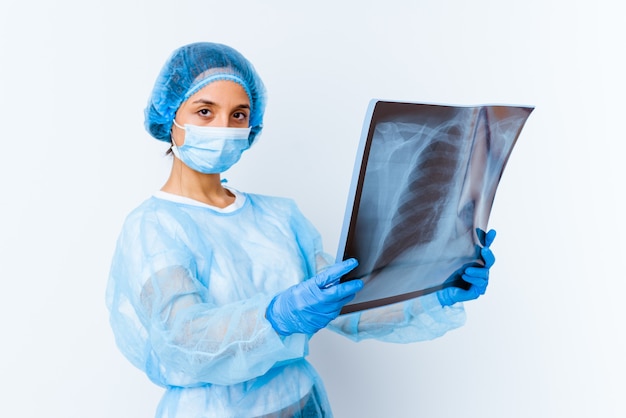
x,y
487,255
486,238
476,277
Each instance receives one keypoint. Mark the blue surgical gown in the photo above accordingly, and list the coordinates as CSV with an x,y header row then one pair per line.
x,y
187,293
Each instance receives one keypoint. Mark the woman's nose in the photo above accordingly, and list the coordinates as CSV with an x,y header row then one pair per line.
x,y
221,120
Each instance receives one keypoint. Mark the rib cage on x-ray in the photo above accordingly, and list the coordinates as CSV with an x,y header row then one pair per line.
x,y
427,181
414,222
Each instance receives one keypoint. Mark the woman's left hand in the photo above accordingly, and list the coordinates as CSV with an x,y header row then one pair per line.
x,y
476,277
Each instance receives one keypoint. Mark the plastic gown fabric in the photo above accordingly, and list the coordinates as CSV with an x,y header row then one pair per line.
x,y
187,293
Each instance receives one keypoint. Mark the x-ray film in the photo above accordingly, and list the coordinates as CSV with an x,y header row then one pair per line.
x,y
423,186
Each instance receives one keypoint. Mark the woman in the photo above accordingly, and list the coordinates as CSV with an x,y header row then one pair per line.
x,y
208,288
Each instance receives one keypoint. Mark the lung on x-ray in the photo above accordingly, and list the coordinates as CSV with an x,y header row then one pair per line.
x,y
422,190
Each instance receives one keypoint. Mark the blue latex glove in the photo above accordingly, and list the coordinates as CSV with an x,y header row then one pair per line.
x,y
477,277
309,306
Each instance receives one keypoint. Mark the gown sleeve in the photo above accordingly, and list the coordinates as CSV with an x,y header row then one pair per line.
x,y
167,325
417,319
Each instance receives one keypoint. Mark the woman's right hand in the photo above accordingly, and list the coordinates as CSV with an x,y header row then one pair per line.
x,y
309,306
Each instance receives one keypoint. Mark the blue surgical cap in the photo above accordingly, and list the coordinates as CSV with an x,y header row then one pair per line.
x,y
190,68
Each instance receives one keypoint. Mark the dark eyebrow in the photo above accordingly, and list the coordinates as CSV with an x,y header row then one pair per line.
x,y
203,101
208,102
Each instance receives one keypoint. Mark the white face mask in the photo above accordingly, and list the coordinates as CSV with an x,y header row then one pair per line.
x,y
210,149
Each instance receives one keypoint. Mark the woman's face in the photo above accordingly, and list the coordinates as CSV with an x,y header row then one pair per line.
x,y
222,103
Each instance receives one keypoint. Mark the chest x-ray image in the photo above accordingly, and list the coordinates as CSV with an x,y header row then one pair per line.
x,y
422,190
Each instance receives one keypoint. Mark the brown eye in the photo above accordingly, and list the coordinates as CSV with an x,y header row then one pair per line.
x,y
240,116
204,112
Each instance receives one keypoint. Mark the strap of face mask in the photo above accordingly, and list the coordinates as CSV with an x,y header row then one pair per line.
x,y
177,125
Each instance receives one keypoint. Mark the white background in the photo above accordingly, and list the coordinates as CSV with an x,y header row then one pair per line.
x,y
547,340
